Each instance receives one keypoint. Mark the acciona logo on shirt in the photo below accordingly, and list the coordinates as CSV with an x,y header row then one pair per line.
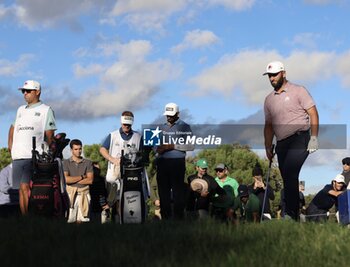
x,y
25,128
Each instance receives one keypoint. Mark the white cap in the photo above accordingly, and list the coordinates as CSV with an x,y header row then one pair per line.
x,y
339,179
127,119
274,67
171,109
31,85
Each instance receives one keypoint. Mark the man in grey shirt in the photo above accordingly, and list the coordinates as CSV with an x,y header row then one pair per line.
x,y
79,175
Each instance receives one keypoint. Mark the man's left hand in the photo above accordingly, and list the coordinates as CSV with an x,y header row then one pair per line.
x,y
313,144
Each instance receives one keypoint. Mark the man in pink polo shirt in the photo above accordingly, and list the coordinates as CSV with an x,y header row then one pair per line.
x,y
291,116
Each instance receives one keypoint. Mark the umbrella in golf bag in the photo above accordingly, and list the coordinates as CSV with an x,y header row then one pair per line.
x,y
48,196
134,188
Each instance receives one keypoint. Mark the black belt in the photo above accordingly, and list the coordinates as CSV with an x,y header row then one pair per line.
x,y
296,134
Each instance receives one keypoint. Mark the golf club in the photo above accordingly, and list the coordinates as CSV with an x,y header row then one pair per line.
x,y
267,183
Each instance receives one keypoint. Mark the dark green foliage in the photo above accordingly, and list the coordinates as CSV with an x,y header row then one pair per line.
x,y
5,157
92,152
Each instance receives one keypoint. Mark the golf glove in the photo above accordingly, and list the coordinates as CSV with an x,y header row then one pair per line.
x,y
313,144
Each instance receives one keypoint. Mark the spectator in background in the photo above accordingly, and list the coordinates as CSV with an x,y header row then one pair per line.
x,y
258,188
79,175
203,191
325,200
8,195
155,199
346,170
223,179
302,201
230,185
98,192
171,164
248,205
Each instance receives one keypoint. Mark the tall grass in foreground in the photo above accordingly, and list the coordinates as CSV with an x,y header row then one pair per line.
x,y
40,242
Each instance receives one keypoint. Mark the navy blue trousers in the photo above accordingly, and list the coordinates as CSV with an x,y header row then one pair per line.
x,y
292,153
171,187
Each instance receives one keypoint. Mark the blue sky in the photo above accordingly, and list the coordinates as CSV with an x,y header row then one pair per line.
x,y
95,59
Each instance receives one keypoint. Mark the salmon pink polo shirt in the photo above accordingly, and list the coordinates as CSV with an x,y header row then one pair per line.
x,y
287,110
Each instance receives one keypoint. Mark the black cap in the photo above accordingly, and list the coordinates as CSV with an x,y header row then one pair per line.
x,y
257,171
346,161
243,191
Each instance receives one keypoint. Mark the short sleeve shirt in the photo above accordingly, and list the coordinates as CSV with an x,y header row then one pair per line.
x,y
229,182
74,168
287,110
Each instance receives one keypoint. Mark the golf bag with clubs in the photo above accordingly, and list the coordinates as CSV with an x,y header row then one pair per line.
x,y
134,188
48,196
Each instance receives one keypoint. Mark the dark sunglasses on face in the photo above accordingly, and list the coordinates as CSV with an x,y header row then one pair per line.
x,y
28,91
219,170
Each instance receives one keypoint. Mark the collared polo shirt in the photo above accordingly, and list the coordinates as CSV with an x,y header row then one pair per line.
x,y
287,111
74,168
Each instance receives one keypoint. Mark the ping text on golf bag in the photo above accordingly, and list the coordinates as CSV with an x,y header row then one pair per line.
x,y
134,188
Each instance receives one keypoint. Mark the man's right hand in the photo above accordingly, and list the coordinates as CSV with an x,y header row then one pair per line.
x,y
115,161
163,148
269,153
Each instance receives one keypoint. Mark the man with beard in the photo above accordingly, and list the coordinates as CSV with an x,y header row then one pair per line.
x,y
290,115
171,164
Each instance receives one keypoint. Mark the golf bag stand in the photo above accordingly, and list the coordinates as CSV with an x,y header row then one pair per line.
x,y
133,191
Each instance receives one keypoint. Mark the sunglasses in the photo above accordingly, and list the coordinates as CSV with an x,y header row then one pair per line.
x,y
28,91
219,170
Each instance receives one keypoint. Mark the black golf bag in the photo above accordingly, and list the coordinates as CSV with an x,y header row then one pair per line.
x,y
134,189
48,196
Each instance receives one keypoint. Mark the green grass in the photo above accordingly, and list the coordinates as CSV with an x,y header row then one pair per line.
x,y
40,242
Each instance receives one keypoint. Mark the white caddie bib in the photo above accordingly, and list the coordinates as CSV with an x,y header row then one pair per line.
x,y
29,122
115,150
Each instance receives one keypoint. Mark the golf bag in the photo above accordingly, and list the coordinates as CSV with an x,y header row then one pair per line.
x,y
134,189
48,196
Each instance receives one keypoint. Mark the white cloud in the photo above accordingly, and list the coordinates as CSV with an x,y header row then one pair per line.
x,y
141,15
306,39
342,67
233,4
243,71
4,11
133,51
149,6
196,39
36,14
14,68
147,15
152,15
122,84
234,72
91,69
